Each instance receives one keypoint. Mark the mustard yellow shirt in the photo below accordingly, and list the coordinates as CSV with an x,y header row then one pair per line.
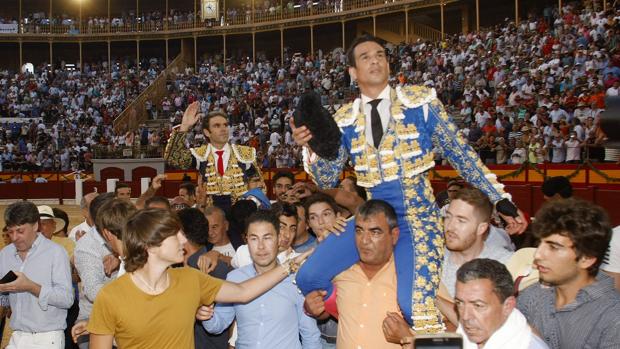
x,y
66,243
363,305
163,321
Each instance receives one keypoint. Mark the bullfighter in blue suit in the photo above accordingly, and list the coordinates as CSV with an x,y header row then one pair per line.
x,y
389,135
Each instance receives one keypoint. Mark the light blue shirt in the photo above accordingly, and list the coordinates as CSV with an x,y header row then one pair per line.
x,y
46,264
275,320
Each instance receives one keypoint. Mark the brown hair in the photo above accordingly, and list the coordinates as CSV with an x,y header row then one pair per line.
x,y
481,203
145,229
585,224
211,115
113,216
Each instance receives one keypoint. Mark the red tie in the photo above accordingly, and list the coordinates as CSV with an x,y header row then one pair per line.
x,y
220,162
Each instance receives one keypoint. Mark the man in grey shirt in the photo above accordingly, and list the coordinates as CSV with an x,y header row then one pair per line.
x,y
42,292
466,226
578,307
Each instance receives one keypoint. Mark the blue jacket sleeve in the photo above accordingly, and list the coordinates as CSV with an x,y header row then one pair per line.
x,y
460,154
326,173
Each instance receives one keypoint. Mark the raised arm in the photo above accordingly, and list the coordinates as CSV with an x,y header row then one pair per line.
x,y
325,173
176,153
467,162
248,290
150,192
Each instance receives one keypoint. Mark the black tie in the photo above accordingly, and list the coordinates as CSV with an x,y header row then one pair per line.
x,y
375,119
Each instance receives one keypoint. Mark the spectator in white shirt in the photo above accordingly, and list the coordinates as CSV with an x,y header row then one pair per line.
x,y
573,149
556,113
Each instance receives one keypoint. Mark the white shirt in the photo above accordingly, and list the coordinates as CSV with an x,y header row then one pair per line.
x,y
226,155
384,112
613,254
242,257
573,150
227,250
82,226
274,138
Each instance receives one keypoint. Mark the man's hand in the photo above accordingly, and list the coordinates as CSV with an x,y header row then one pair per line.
x,y
301,135
79,234
204,313
338,227
515,225
395,328
208,261
201,195
21,284
302,190
110,264
157,181
190,117
79,329
314,303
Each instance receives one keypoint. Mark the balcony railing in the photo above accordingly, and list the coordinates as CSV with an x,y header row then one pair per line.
x,y
232,17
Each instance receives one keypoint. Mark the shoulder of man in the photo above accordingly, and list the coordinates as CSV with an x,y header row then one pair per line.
x,y
53,247
244,154
200,152
414,96
345,116
241,274
531,296
86,243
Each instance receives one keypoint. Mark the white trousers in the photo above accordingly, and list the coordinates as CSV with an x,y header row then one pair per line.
x,y
41,340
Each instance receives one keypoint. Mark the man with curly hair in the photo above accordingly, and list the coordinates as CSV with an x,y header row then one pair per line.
x,y
573,306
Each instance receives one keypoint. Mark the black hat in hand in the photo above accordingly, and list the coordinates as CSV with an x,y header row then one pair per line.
x,y
326,135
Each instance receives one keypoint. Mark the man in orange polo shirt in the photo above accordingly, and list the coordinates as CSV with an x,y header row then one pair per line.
x,y
367,290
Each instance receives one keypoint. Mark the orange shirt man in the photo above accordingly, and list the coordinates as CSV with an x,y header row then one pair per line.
x,y
367,290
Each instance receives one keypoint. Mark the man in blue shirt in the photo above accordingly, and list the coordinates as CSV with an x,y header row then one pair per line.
x,y
275,320
42,292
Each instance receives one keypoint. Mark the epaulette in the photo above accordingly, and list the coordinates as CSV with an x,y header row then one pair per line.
x,y
415,96
345,116
201,153
244,154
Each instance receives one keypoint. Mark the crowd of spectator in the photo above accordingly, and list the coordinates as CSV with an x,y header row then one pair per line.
x,y
528,92
40,22
532,90
56,116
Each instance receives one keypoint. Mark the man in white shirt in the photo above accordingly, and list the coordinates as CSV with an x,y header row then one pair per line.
x,y
221,165
218,233
612,265
559,150
556,113
488,317
41,292
614,90
573,149
79,230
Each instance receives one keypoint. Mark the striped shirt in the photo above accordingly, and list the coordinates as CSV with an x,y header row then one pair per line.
x,y
592,320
